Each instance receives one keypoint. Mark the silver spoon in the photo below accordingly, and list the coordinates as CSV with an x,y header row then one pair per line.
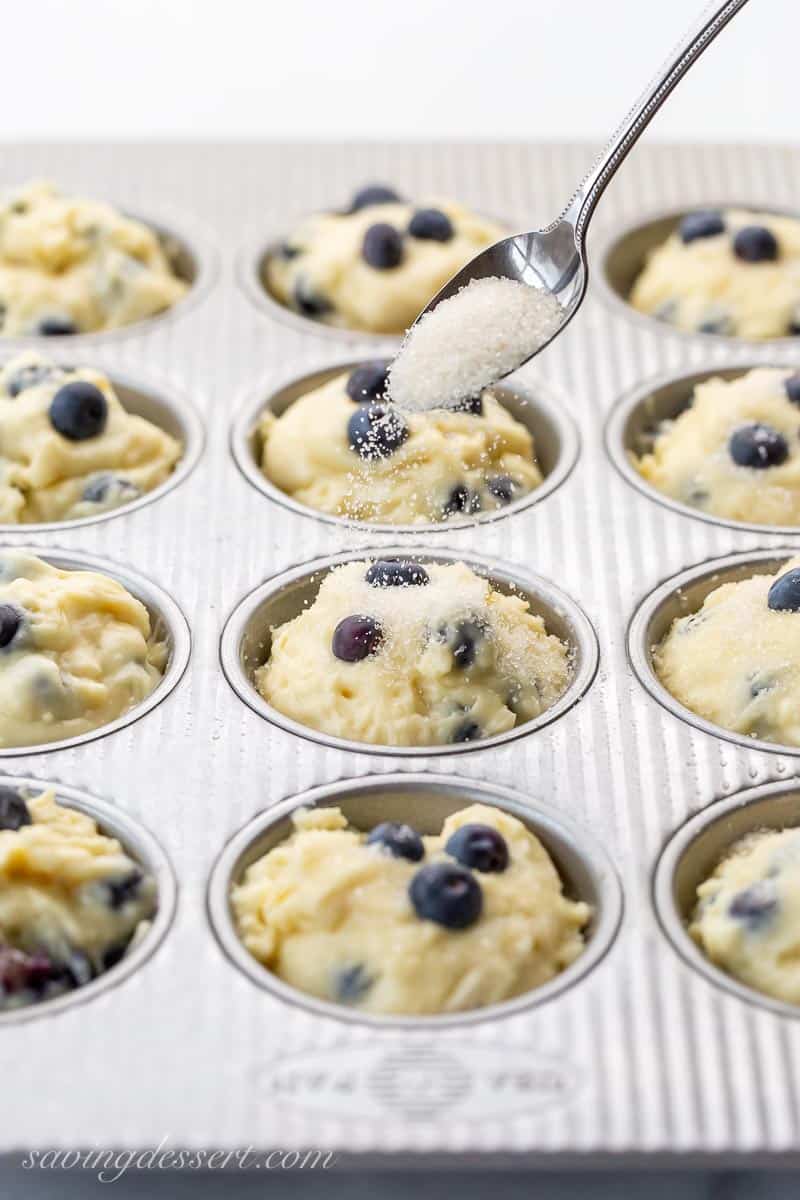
x,y
553,259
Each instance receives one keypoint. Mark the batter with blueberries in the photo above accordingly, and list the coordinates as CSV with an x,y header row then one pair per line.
x,y
392,922
397,653
72,901
375,266
76,651
732,272
68,448
747,915
736,662
342,449
735,450
70,265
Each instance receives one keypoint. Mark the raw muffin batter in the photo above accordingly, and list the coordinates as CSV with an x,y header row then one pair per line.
x,y
377,265
395,653
69,265
71,899
736,662
735,451
735,273
328,453
76,651
747,918
392,922
68,448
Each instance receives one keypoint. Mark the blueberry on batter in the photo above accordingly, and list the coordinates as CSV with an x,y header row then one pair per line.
x,y
784,595
13,809
383,246
701,224
56,326
431,224
374,193
351,984
376,431
356,638
397,839
309,302
79,411
758,446
461,500
467,731
502,487
27,377
99,488
397,572
755,243
792,385
367,383
756,904
447,895
11,620
479,847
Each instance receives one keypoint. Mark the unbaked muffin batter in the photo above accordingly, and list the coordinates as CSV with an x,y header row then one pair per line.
x,y
71,899
433,466
735,273
392,922
401,654
747,918
76,651
68,448
376,266
736,662
70,265
735,452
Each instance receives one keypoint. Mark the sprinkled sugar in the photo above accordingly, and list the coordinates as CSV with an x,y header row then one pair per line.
x,y
488,329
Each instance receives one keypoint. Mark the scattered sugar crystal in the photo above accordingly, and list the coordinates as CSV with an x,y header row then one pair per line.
x,y
469,341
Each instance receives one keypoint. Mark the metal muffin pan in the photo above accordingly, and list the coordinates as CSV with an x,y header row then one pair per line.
x,y
537,406
143,847
633,423
167,622
690,857
424,801
162,405
678,597
247,637
623,251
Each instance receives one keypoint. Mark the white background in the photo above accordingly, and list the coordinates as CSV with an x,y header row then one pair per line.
x,y
386,69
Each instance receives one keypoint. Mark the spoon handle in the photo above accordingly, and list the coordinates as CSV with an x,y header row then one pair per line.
x,y
685,54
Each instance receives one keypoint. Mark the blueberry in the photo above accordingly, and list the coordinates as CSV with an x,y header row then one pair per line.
x,y
352,984
382,247
376,431
461,500
784,595
792,385
397,572
27,377
375,193
11,619
721,325
356,637
77,970
432,225
446,894
79,411
98,488
758,446
756,904
465,643
309,302
367,383
467,731
702,224
480,847
502,487
56,326
14,811
20,971
472,405
114,954
287,251
755,243
401,841
120,891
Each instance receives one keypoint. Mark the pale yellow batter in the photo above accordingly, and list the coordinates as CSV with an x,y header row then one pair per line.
x,y
736,662
332,916
45,476
71,900
456,660
747,918
691,460
76,651
704,286
307,454
322,271
70,265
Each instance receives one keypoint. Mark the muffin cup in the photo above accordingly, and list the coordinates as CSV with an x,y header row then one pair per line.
x,y
166,621
246,640
145,850
194,259
633,421
691,856
163,406
423,801
680,596
621,257
537,407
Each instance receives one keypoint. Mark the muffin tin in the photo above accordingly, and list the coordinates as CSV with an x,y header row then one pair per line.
x,y
636,1051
